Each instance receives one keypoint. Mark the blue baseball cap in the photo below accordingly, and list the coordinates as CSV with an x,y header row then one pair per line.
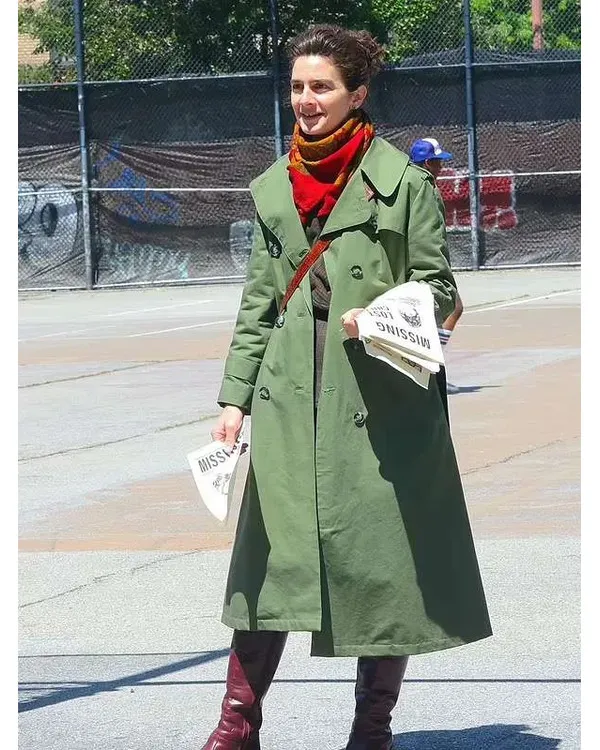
x,y
427,148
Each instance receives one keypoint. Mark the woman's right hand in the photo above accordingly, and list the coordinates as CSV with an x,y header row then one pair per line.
x,y
228,426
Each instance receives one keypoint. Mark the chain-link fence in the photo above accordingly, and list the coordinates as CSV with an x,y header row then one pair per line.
x,y
141,123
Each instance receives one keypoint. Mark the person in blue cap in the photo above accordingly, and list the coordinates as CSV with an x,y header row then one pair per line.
x,y
428,154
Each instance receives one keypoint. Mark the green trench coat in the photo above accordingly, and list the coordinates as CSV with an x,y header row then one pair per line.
x,y
353,522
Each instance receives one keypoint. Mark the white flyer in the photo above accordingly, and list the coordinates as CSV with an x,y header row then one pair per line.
x,y
399,328
406,366
213,467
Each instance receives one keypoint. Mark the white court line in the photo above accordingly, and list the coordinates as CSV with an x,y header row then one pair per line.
x,y
162,307
216,322
491,307
550,505
60,333
180,328
112,315
522,301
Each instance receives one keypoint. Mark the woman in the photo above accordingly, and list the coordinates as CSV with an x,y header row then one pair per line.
x,y
353,523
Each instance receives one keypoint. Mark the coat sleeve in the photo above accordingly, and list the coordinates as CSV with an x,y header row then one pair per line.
x,y
428,258
255,320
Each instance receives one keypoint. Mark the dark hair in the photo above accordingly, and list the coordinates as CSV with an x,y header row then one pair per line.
x,y
356,54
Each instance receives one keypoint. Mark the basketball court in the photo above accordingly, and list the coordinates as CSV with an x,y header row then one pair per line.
x,y
122,569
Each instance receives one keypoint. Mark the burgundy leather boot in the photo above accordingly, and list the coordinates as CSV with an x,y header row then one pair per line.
x,y
253,659
378,681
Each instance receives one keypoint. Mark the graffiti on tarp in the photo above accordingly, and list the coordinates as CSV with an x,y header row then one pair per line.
x,y
127,261
48,218
240,243
496,197
130,262
133,200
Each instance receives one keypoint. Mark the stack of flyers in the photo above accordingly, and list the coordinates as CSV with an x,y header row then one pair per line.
x,y
399,328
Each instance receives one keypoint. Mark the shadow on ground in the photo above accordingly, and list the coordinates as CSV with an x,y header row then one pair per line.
x,y
457,389
499,736
60,692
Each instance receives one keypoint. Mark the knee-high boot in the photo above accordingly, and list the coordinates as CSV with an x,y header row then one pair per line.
x,y
253,659
378,682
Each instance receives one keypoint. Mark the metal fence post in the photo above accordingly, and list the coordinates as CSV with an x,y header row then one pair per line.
x,y
85,188
473,156
279,145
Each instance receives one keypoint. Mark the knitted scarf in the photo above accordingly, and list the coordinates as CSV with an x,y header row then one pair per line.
x,y
320,169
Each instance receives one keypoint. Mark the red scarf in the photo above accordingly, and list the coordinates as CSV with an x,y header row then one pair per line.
x,y
319,170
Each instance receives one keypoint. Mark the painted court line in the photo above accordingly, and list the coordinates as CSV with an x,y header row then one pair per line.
x,y
522,301
61,333
180,328
217,322
491,307
113,315
162,307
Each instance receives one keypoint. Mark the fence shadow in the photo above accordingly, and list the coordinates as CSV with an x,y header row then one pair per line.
x,y
60,693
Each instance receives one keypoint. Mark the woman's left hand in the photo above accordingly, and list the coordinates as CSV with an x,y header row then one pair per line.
x,y
349,322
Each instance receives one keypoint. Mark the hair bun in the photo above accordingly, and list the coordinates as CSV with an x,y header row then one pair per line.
x,y
357,54
373,51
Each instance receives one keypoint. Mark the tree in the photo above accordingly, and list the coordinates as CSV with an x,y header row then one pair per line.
x,y
506,25
123,39
419,26
131,39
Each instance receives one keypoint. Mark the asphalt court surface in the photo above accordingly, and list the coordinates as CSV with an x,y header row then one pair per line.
x,y
121,570
117,386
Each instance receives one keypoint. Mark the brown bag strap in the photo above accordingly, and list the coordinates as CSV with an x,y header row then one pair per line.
x,y
318,249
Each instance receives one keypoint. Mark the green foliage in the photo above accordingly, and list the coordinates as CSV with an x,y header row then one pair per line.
x,y
417,26
38,74
506,25
130,39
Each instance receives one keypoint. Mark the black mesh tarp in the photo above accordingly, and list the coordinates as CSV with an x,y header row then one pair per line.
x,y
50,227
211,135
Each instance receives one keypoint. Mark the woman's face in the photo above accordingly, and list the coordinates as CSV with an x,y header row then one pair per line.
x,y
320,99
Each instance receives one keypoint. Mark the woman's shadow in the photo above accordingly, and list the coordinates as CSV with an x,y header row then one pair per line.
x,y
505,736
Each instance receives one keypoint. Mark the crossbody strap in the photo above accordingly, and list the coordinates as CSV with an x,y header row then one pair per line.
x,y
318,249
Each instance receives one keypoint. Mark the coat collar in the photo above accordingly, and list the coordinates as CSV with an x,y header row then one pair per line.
x,y
383,166
272,194
379,174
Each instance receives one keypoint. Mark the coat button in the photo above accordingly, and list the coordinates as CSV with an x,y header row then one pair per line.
x,y
357,272
359,419
280,320
274,250
373,222
264,393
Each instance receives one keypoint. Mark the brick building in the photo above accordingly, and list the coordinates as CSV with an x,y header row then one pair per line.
x,y
27,43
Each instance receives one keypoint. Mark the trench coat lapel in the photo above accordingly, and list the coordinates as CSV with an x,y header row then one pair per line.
x,y
272,193
373,180
274,201
351,209
384,167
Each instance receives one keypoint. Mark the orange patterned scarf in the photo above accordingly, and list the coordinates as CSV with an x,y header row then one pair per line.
x,y
319,170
